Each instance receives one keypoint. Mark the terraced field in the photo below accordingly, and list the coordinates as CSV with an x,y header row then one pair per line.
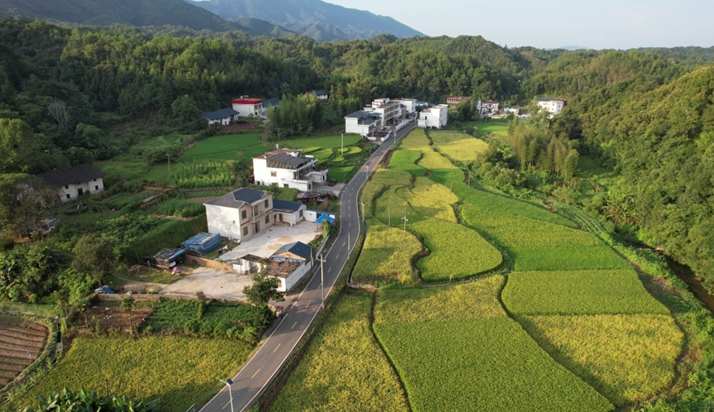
x,y
580,331
20,344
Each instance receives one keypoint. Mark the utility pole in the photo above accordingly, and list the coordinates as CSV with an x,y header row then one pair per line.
x,y
405,220
342,145
321,259
389,217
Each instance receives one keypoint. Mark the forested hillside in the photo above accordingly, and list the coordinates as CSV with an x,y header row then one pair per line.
x,y
81,92
316,19
135,13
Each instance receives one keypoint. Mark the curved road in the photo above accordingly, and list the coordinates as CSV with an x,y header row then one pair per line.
x,y
274,350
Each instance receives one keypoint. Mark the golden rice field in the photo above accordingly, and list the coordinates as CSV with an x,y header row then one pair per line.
x,y
386,256
459,146
343,367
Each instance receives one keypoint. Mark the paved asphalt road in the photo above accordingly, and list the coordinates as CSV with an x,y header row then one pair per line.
x,y
275,349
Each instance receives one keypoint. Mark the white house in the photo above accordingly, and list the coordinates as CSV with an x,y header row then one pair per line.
x,y
288,169
244,213
434,117
321,95
409,105
248,106
222,117
551,105
240,214
361,122
290,263
76,181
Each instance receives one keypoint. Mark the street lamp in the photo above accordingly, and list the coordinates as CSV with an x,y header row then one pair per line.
x,y
228,383
321,259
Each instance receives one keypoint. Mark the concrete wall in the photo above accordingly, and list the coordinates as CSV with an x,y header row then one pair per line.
x,y
71,192
224,221
248,110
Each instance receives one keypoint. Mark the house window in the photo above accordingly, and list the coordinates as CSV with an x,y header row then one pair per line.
x,y
245,231
68,196
286,186
96,188
274,174
66,187
244,214
301,213
267,219
266,203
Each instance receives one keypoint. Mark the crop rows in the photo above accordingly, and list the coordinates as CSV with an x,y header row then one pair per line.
x,y
458,146
343,367
20,344
204,174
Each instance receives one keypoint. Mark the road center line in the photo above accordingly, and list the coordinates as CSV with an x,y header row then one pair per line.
x,y
255,373
294,324
277,347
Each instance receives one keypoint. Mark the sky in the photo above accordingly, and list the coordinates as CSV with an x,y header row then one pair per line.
x,y
598,24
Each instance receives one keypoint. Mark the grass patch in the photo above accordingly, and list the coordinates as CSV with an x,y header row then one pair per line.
x,y
194,318
386,256
343,367
456,350
579,292
629,358
226,147
308,143
176,371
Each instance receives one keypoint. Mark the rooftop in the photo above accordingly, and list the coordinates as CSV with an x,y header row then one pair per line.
x,y
238,198
286,205
247,100
549,99
72,175
219,114
285,159
298,249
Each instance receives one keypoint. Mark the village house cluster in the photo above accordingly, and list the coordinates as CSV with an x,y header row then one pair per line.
x,y
384,117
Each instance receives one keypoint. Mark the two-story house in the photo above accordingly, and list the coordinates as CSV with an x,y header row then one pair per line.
x,y
245,213
288,169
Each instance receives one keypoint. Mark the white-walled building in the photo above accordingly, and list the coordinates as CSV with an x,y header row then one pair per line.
x,y
288,169
409,105
488,107
290,263
223,117
76,181
362,123
244,213
551,105
434,117
248,106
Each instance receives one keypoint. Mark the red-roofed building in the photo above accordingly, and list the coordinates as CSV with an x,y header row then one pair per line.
x,y
248,106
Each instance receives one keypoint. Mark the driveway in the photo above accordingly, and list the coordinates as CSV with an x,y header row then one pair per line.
x,y
214,284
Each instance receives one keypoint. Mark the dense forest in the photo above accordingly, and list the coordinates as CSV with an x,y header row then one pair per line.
x,y
72,95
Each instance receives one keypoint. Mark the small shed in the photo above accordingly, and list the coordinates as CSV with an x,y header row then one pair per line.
x,y
169,258
202,243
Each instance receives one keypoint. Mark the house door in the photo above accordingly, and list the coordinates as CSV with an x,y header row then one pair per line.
x,y
257,227
80,191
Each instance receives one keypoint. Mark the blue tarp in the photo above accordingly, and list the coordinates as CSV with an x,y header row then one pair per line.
x,y
325,217
203,243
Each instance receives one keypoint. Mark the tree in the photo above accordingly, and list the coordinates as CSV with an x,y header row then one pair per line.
x,y
184,109
263,290
16,146
93,255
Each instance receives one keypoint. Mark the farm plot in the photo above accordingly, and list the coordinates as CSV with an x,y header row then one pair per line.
x,y
343,367
20,344
386,256
628,358
176,372
460,337
579,292
458,146
226,147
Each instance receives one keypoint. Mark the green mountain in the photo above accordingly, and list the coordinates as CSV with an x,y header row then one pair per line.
x,y
314,18
135,13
